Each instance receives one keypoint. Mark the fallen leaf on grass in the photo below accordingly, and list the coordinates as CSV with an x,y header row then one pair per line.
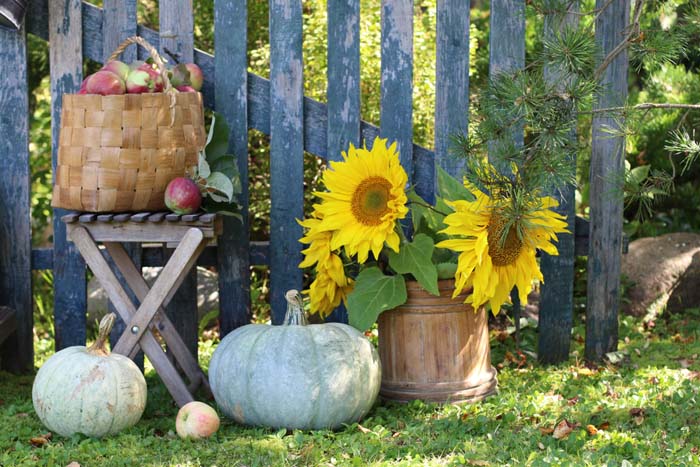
x,y
41,440
573,400
363,429
592,430
605,426
685,362
540,445
637,415
563,429
478,462
545,430
22,415
73,464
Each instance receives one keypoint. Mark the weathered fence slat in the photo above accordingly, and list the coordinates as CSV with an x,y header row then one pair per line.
x,y
507,44
231,98
177,45
396,113
286,150
452,80
119,22
557,292
343,92
66,52
607,167
16,353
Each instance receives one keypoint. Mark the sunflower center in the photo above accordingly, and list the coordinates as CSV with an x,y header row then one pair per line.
x,y
502,253
369,201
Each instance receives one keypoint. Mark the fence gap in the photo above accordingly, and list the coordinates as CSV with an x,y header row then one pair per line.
x,y
231,97
66,61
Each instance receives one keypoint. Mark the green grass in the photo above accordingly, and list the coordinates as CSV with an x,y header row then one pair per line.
x,y
657,374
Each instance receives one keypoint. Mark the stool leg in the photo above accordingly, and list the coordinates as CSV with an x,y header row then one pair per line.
x,y
126,309
184,257
166,328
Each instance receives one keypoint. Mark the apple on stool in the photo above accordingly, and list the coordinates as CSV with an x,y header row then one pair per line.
x,y
196,420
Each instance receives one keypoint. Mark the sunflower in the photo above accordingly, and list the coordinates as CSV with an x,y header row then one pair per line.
x,y
496,254
364,200
330,286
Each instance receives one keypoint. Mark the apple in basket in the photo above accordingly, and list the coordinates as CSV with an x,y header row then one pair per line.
x,y
120,69
182,196
105,83
196,420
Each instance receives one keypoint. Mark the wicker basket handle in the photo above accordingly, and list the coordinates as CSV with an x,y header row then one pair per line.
x,y
167,87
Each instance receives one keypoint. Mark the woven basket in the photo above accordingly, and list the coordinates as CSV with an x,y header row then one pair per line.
x,y
118,153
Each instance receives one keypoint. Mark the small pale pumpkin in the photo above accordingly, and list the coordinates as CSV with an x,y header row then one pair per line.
x,y
88,390
295,375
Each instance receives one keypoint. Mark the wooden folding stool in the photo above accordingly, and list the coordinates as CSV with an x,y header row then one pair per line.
x,y
191,234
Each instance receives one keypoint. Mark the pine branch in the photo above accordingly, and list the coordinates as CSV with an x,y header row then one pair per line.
x,y
645,106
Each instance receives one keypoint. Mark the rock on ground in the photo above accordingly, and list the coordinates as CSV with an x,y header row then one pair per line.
x,y
207,293
664,273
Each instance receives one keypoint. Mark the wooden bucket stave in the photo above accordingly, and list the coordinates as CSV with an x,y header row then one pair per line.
x,y
435,349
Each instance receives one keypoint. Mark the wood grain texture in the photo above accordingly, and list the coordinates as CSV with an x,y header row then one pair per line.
x,y
606,203
16,354
286,151
65,57
451,81
435,348
343,92
231,99
176,346
176,30
343,72
557,292
396,113
8,323
118,22
177,45
126,309
507,45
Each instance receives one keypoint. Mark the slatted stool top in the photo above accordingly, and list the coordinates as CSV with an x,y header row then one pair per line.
x,y
143,226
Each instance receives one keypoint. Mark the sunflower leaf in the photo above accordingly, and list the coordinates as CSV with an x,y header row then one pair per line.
x,y
374,292
415,258
450,188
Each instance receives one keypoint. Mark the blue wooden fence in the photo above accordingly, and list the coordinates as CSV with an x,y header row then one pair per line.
x,y
277,107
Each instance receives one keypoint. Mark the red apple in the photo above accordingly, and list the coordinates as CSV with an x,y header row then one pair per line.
x,y
196,420
185,88
104,83
83,86
120,69
182,196
196,76
138,82
156,78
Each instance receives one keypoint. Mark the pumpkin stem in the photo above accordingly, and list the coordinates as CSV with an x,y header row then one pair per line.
x,y
295,309
98,347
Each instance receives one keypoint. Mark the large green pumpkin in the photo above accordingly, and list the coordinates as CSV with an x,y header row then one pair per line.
x,y
88,390
295,375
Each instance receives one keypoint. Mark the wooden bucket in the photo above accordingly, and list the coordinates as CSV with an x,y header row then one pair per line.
x,y
435,349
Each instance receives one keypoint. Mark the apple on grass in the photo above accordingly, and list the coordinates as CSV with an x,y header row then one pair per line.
x,y
182,196
196,420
